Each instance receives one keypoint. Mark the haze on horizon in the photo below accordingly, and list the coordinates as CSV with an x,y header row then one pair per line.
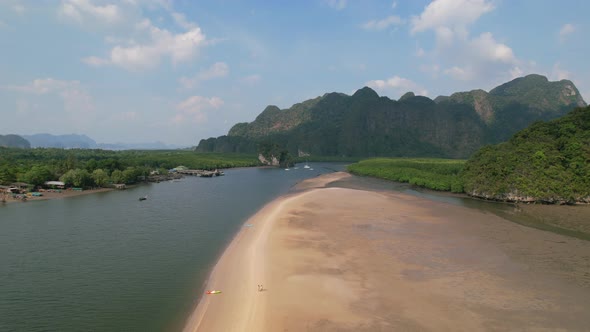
x,y
179,71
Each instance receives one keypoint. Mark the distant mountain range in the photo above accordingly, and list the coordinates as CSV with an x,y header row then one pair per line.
x,y
365,124
74,141
71,141
14,141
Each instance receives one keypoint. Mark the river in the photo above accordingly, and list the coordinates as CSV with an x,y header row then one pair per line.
x,y
109,262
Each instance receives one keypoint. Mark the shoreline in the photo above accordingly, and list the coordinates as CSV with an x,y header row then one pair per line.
x,y
305,248
47,195
252,238
260,218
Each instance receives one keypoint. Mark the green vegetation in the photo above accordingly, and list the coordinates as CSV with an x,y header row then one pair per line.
x,y
14,141
537,91
269,149
365,125
436,174
547,162
89,168
326,159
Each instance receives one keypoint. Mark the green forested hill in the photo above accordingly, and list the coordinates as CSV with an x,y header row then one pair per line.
x,y
14,141
548,162
366,125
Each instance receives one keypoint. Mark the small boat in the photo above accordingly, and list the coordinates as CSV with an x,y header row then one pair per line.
x,y
143,198
286,169
212,292
306,166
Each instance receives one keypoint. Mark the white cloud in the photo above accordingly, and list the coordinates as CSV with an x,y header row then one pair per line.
x,y
160,43
450,17
460,73
486,47
83,10
336,4
445,36
383,24
217,70
134,58
397,84
453,13
194,109
465,58
146,45
566,30
181,20
74,96
180,47
481,58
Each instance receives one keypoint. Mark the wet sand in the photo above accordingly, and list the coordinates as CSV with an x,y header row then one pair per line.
x,y
335,259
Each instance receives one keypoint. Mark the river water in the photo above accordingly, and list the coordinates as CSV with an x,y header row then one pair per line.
x,y
109,262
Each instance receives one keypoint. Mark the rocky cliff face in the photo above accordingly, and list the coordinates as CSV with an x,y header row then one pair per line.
x,y
538,92
365,124
479,100
272,162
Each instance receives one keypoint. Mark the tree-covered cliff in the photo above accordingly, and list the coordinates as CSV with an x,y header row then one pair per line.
x,y
547,162
367,125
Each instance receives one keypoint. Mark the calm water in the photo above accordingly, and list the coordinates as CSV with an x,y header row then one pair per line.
x,y
108,262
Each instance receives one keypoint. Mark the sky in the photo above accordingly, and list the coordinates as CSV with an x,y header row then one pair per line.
x,y
178,71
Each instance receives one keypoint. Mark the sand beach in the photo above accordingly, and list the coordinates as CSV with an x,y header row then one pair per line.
x,y
336,259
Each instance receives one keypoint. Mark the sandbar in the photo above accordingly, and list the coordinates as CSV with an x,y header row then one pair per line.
x,y
336,259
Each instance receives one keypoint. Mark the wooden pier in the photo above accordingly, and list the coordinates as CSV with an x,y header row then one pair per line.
x,y
200,172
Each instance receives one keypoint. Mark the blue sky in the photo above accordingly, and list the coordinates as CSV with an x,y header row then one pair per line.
x,y
179,71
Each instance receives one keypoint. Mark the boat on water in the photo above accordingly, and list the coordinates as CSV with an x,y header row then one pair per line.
x,y
306,166
143,198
